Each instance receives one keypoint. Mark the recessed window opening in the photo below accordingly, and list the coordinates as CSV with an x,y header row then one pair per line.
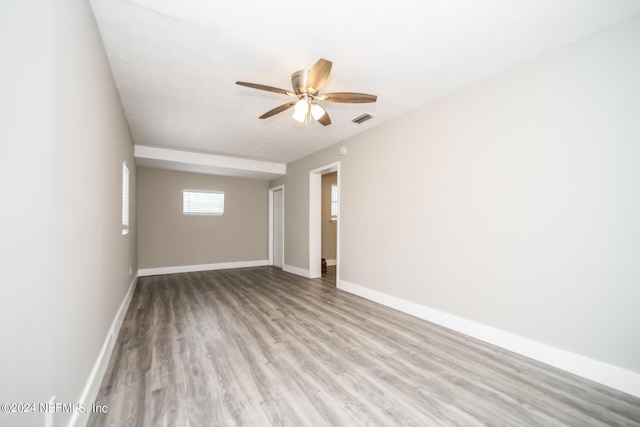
x,y
200,202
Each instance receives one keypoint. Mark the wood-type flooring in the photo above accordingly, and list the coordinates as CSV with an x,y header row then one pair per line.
x,y
260,347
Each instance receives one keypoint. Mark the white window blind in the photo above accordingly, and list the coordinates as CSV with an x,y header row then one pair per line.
x,y
125,198
195,202
334,203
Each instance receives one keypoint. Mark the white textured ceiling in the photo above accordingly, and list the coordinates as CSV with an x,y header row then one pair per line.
x,y
175,62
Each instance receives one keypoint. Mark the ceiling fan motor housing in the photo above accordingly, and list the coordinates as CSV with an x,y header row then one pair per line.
x,y
299,81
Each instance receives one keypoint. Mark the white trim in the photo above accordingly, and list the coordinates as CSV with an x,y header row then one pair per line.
x,y
297,270
331,262
315,218
271,191
315,224
594,370
92,386
126,184
205,163
200,267
339,222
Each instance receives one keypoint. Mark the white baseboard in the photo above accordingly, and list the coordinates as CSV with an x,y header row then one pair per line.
x,y
331,262
594,370
92,385
200,267
297,270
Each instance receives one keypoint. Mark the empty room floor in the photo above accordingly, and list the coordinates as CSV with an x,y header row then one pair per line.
x,y
261,347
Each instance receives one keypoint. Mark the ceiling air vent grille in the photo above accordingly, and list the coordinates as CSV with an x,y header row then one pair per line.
x,y
362,118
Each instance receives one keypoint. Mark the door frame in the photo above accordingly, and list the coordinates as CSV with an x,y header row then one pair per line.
x,y
271,209
315,219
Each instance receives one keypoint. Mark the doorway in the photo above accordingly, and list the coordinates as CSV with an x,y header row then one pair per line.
x,y
315,220
329,223
276,226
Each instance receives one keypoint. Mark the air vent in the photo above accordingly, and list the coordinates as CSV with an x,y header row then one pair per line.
x,y
362,118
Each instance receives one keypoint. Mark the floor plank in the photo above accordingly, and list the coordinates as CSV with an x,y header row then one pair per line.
x,y
260,347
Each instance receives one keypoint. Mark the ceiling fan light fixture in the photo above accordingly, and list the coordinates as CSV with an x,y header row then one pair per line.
x,y
299,116
317,111
302,105
300,110
306,86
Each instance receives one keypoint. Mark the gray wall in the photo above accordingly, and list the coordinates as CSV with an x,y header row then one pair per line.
x,y
513,203
168,238
65,263
329,229
26,123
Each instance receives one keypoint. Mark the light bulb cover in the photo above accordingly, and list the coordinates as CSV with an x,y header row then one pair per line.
x,y
317,111
299,115
302,106
300,110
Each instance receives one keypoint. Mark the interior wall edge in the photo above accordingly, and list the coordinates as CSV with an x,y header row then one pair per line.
x,y
606,374
92,386
201,267
297,271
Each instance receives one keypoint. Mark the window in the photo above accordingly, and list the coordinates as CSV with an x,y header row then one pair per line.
x,y
334,203
196,202
125,199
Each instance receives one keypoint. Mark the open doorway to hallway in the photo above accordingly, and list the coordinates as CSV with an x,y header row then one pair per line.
x,y
320,222
329,225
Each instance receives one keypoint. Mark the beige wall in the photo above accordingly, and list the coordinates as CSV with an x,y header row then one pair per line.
x,y
296,205
168,238
65,262
329,229
513,203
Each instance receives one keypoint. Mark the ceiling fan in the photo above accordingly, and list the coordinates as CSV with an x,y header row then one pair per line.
x,y
306,86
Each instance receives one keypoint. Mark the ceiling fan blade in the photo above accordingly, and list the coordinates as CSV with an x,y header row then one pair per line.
x,y
318,75
325,120
277,110
348,97
267,88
